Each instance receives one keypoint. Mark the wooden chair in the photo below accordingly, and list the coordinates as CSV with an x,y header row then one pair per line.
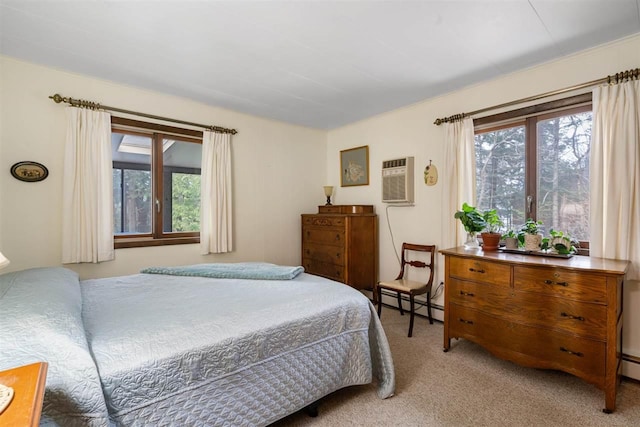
x,y
410,287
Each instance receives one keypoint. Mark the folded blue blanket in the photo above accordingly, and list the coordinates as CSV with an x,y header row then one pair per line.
x,y
240,270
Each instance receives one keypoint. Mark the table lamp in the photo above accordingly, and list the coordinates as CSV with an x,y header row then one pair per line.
x,y
328,191
3,261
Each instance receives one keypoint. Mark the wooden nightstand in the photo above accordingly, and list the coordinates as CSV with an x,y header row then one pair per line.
x,y
28,387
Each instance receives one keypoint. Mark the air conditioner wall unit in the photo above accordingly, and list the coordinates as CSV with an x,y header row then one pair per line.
x,y
397,180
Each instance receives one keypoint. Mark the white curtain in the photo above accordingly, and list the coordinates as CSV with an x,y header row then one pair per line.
x,y
216,222
615,174
87,204
459,178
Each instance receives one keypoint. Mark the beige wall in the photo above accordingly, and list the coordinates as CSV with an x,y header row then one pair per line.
x,y
278,173
410,132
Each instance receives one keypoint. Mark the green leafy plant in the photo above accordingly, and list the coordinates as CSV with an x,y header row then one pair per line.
x,y
492,220
472,219
561,242
510,233
531,227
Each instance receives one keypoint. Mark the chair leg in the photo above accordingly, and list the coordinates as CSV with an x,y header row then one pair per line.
x,y
411,302
379,293
400,304
429,307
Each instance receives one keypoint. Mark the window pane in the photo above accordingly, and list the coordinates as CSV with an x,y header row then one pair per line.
x,y
181,185
117,200
137,201
563,174
132,183
500,173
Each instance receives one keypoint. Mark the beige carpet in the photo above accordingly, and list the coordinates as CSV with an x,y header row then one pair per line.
x,y
467,387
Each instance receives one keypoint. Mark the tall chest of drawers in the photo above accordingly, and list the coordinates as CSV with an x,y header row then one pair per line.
x,y
541,312
340,242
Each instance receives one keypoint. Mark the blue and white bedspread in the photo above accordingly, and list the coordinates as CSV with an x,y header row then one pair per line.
x,y
163,350
239,270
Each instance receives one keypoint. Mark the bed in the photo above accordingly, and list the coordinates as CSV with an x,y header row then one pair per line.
x,y
165,349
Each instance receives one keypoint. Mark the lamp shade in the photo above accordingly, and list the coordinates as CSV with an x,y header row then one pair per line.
x,y
328,190
3,261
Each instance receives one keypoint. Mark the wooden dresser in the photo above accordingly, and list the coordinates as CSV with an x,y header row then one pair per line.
x,y
541,312
340,242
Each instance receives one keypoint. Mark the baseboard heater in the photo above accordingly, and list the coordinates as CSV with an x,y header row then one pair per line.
x,y
630,358
625,357
418,303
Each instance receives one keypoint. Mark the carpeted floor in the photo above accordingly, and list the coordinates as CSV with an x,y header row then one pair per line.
x,y
467,386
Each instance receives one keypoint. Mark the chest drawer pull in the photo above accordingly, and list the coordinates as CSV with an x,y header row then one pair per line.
x,y
467,294
574,353
551,282
473,270
468,322
571,316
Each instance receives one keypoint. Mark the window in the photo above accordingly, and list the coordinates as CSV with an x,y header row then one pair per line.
x,y
156,184
534,163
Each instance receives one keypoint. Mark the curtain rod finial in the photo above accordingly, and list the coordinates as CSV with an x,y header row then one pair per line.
x,y
57,98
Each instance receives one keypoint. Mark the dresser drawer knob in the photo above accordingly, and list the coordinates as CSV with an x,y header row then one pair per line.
x,y
473,270
551,282
573,353
467,294
571,316
468,322
337,237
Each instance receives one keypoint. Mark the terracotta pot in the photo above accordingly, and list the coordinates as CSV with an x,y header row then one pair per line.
x,y
490,241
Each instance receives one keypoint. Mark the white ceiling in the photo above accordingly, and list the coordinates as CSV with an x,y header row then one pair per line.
x,y
320,64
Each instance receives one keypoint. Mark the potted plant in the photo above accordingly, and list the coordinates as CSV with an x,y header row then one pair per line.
x,y
491,236
559,242
510,239
530,235
473,222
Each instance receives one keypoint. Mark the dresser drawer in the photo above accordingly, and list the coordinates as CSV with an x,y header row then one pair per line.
x,y
325,269
560,282
323,220
530,345
579,318
324,253
480,271
322,236
481,296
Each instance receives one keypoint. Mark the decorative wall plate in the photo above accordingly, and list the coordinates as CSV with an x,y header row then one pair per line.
x,y
29,171
431,174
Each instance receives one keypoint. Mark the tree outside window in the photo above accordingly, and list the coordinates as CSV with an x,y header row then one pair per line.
x,y
537,167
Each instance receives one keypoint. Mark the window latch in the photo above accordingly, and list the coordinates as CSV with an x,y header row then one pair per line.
x,y
158,205
529,203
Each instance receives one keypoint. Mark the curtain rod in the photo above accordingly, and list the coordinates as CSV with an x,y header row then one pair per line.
x,y
615,79
94,105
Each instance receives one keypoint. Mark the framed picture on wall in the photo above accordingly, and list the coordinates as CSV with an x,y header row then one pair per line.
x,y
354,166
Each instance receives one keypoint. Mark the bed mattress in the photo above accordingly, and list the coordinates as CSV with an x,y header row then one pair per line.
x,y
198,351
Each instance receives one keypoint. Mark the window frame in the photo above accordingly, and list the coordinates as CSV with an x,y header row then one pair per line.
x,y
157,132
529,117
